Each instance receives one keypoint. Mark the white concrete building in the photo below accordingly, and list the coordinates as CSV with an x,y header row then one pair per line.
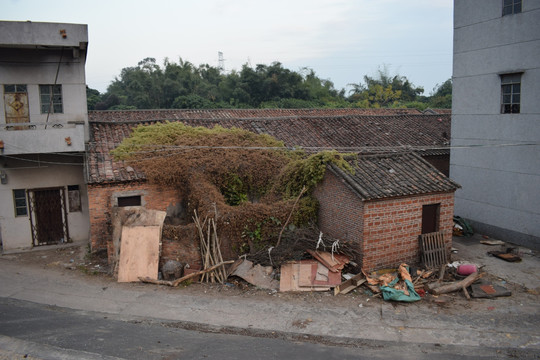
x,y
43,124
496,117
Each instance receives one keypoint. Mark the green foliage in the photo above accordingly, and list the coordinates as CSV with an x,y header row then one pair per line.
x,y
384,90
308,208
415,105
442,96
309,171
151,138
234,190
257,231
183,85
92,98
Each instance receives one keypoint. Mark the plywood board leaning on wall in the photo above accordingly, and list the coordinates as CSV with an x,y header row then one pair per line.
x,y
139,254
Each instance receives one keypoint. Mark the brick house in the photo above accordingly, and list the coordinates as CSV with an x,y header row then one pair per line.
x,y
115,184
385,205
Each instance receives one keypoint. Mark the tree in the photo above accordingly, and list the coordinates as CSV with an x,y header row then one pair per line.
x,y
384,90
441,96
92,98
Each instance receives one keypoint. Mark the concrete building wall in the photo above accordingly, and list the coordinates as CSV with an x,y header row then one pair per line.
x,y
35,54
35,67
15,230
500,184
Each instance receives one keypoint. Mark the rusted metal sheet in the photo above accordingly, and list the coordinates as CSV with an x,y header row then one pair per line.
x,y
16,105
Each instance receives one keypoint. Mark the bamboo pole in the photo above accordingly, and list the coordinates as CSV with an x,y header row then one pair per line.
x,y
177,282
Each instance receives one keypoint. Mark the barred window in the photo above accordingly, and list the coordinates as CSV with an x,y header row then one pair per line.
x,y
511,7
51,99
511,93
19,200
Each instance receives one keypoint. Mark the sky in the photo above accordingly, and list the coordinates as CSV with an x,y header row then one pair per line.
x,y
341,40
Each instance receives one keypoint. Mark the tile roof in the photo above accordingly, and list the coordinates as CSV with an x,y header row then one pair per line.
x,y
180,114
383,176
351,133
437,111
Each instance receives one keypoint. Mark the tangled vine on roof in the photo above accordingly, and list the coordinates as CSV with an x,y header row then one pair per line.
x,y
248,180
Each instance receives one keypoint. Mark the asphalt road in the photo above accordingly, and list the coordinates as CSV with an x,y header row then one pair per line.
x,y
47,332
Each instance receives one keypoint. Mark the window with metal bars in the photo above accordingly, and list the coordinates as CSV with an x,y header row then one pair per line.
x,y
511,93
511,7
51,99
19,200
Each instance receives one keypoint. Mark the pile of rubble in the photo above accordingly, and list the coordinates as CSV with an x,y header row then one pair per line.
x,y
303,262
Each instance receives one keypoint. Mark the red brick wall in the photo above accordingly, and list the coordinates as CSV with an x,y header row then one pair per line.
x,y
386,231
100,200
391,229
340,210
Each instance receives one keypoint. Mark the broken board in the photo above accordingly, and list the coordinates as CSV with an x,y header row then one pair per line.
x,y
257,275
290,277
334,262
139,253
349,285
313,273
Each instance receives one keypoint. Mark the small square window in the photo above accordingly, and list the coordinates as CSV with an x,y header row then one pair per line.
x,y
511,93
511,7
19,201
51,99
124,201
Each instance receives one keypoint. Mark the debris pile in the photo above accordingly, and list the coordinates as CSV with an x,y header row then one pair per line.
x,y
304,260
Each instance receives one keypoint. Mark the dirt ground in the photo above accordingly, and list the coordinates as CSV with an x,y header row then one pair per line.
x,y
77,260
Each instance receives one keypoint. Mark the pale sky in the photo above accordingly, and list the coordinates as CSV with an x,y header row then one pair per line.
x,y
341,40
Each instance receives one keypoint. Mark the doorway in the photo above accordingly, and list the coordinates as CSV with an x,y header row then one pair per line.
x,y
430,218
48,216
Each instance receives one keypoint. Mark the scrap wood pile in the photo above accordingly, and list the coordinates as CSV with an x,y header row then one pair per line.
x,y
307,261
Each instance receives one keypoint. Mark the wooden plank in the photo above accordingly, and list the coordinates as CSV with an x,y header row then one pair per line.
x,y
334,263
305,277
139,253
313,273
289,280
349,285
286,278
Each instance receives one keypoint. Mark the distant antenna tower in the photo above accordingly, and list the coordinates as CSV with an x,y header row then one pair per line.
x,y
221,61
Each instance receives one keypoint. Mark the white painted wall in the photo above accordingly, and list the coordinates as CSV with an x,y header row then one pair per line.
x,y
500,184
36,53
15,231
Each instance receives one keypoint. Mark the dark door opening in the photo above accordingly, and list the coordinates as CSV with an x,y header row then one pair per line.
x,y
48,216
430,218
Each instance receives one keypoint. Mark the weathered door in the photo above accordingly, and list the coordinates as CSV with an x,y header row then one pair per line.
x,y
48,216
16,104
